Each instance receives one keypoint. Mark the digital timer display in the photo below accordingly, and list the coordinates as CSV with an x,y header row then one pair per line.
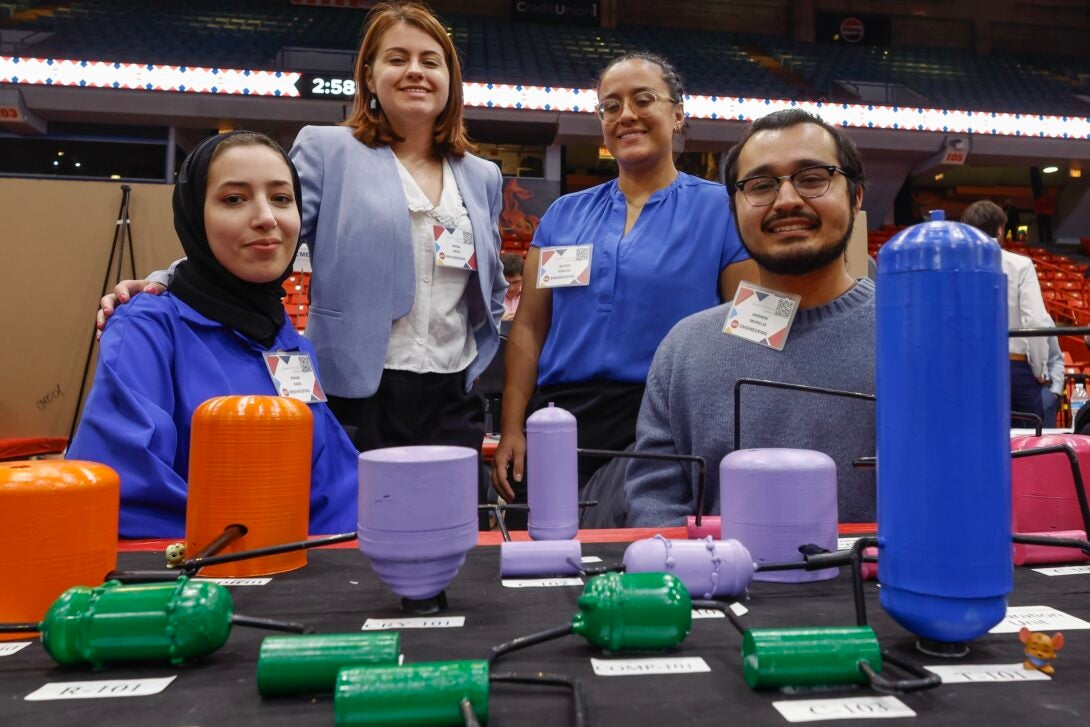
x,y
316,86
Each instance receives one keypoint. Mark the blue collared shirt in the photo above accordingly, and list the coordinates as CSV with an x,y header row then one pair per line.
x,y
159,360
666,268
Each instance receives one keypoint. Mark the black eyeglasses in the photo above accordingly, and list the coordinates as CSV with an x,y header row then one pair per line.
x,y
641,104
811,182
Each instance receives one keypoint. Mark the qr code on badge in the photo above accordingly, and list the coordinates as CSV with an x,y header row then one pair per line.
x,y
304,364
784,308
582,254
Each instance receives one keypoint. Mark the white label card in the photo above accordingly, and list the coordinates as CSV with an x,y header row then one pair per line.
x,y
708,613
1037,618
590,559
7,648
761,315
1066,570
99,689
541,582
656,665
817,710
238,581
979,673
564,267
454,247
846,543
422,622
292,375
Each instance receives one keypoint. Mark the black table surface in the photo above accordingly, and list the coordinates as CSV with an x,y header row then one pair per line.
x,y
337,591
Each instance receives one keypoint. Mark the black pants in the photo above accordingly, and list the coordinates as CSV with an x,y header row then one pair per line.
x,y
1025,394
411,408
606,412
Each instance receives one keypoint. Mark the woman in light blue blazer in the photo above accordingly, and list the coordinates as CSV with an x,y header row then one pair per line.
x,y
407,286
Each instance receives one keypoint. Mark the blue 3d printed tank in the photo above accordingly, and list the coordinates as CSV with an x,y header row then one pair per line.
x,y
944,505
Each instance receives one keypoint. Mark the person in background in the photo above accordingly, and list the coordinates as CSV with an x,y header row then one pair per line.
x,y
1052,390
795,185
1010,230
1044,207
660,246
512,273
1025,309
390,199
236,210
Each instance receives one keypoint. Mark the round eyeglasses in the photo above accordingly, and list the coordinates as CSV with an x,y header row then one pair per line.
x,y
641,104
761,191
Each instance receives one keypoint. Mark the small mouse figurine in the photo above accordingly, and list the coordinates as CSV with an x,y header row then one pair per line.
x,y
1040,649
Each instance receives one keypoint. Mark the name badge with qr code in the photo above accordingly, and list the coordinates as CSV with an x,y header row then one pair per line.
x,y
564,267
292,375
761,315
454,247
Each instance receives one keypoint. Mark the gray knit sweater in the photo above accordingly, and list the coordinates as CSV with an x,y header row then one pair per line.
x,y
688,407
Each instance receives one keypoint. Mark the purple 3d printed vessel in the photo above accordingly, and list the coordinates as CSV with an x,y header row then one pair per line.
x,y
775,500
542,558
552,474
418,518
709,568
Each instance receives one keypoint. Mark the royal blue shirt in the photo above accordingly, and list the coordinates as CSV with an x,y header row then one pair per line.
x,y
666,268
160,360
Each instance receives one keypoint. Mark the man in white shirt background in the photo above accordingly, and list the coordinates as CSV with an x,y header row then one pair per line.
x,y
1025,309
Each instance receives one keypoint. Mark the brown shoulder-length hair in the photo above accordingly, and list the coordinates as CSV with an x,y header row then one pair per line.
x,y
371,126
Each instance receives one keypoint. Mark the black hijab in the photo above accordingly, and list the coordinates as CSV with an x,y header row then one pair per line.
x,y
253,309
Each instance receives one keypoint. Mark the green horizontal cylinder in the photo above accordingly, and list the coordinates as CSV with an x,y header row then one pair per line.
x,y
634,611
808,656
309,664
176,621
428,694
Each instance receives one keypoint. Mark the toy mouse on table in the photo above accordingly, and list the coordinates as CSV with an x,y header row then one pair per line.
x,y
1040,650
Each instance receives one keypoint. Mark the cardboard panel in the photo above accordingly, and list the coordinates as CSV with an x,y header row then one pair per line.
x,y
57,237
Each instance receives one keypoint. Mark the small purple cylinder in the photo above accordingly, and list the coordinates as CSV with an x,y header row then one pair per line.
x,y
775,500
540,558
551,474
418,515
708,568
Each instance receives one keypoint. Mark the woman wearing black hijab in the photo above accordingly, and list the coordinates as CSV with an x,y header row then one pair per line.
x,y
236,211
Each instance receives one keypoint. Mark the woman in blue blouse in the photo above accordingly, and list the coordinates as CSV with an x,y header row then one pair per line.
x,y
236,210
663,246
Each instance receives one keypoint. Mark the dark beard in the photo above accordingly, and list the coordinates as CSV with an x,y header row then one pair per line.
x,y
792,262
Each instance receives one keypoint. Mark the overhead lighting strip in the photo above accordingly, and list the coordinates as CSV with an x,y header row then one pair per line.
x,y
226,81
148,77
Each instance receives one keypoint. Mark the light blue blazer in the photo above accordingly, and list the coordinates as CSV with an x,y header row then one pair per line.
x,y
356,222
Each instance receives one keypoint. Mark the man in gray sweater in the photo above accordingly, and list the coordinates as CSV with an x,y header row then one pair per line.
x,y
795,185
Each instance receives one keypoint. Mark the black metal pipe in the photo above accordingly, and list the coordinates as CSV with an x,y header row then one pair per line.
x,y
734,619
1038,423
1055,331
781,385
271,624
579,711
195,564
857,578
701,464
230,534
1082,545
921,678
524,641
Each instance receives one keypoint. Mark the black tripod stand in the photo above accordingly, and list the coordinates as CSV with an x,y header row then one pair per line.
x,y
122,238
